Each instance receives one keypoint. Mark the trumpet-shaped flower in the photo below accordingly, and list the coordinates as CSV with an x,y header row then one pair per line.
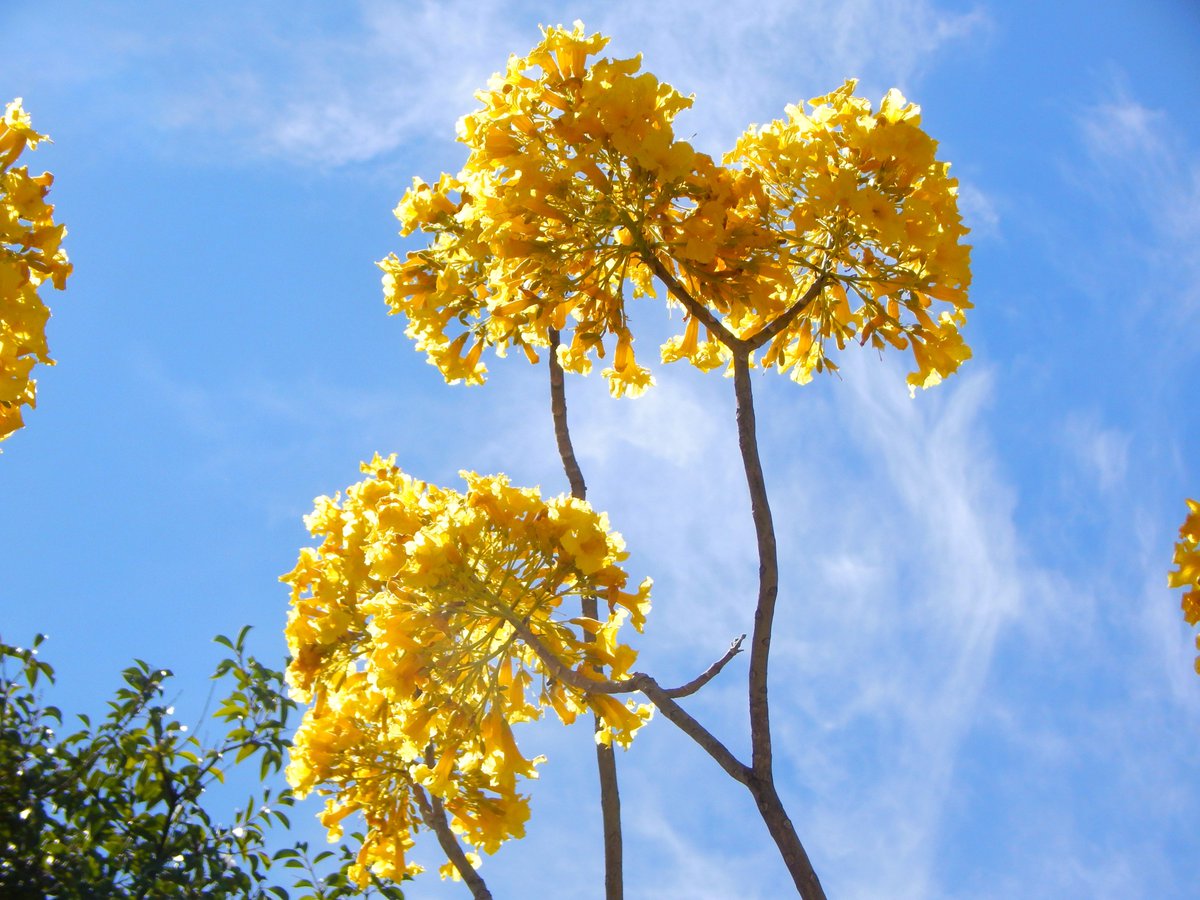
x,y
576,192
30,254
858,196
420,632
1187,572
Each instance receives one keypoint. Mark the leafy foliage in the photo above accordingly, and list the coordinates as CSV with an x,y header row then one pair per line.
x,y
116,808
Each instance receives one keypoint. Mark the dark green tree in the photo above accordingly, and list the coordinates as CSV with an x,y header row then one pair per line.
x,y
118,808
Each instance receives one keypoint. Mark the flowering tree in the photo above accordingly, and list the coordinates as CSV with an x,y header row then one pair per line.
x,y
1187,572
428,621
30,254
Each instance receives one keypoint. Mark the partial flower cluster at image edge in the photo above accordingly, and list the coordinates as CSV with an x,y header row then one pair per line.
x,y
31,254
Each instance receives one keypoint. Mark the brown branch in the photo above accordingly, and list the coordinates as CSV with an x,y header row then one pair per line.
x,y
785,319
761,781
683,720
694,306
558,409
565,673
434,815
655,692
709,674
606,761
799,866
768,569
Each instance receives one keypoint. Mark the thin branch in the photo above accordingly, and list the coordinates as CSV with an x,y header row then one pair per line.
x,y
782,321
558,408
565,673
686,723
761,781
606,762
656,693
434,815
709,674
768,569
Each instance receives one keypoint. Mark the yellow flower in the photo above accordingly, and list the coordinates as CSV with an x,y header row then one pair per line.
x,y
575,186
410,633
1187,572
30,254
859,196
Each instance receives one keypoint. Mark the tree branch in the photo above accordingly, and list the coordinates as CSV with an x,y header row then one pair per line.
x,y
768,569
558,409
434,815
782,321
686,723
606,762
694,306
656,693
709,674
761,781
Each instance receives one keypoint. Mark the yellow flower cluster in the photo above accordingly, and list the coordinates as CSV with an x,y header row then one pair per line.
x,y
859,195
1187,575
418,629
30,253
576,187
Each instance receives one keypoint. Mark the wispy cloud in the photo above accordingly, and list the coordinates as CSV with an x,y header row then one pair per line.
x,y
745,62
921,518
901,567
1102,452
1143,172
320,88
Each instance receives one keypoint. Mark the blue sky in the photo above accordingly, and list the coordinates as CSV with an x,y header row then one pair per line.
x,y
982,686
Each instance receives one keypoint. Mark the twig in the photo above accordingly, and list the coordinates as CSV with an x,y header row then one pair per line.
x,y
656,693
709,674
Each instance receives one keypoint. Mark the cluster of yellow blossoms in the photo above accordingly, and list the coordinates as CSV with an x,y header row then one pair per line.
x,y
30,254
576,185
1187,576
420,632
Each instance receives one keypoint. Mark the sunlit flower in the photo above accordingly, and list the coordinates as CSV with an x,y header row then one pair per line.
x,y
1187,572
410,634
576,196
30,254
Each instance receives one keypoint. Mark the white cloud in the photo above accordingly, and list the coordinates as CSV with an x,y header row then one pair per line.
x,y
315,88
1102,452
746,61
1145,174
978,210
392,73
895,674
901,566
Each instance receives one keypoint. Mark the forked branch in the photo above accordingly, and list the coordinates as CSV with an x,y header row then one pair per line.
x,y
661,697
783,320
694,306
